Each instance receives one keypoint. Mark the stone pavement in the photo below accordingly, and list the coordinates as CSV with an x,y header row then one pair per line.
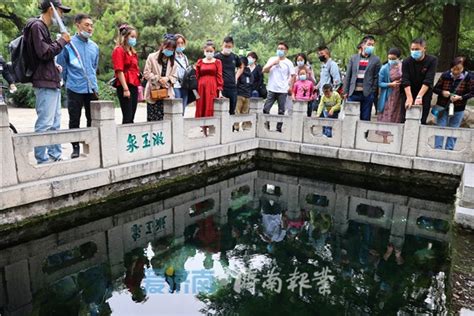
x,y
24,119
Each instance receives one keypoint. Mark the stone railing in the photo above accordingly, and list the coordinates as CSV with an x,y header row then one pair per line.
x,y
109,147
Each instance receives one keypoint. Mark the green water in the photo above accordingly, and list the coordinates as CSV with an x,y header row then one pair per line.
x,y
261,243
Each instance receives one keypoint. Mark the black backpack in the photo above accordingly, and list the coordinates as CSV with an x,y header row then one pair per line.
x,y
21,70
189,79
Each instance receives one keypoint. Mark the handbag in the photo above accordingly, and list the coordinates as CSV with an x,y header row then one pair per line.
x,y
262,91
158,94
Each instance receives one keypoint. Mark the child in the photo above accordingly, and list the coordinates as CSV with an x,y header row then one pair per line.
x,y
330,106
244,91
303,89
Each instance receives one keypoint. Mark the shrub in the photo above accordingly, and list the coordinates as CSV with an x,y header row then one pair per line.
x,y
24,97
106,92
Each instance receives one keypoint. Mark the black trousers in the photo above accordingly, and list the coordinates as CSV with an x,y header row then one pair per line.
x,y
75,103
231,94
426,106
128,105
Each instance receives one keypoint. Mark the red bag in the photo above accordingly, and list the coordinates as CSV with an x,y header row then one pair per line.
x,y
141,97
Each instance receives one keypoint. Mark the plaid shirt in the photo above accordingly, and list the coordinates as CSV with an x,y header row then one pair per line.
x,y
463,86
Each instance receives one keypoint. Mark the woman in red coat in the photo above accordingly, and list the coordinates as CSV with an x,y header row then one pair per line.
x,y
210,82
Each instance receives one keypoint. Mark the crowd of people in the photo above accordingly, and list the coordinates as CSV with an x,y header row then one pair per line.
x,y
392,87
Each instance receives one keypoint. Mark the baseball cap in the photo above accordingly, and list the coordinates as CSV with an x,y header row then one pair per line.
x,y
56,3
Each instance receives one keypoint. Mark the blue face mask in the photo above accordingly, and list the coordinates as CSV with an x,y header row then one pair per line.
x,y
368,50
168,53
280,52
300,63
132,41
180,49
85,34
416,54
392,62
302,77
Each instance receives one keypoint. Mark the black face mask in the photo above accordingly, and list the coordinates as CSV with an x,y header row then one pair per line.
x,y
322,58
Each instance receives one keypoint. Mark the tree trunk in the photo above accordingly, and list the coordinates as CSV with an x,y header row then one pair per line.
x,y
15,19
449,35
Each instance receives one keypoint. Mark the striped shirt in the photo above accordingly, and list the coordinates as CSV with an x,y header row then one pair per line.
x,y
363,63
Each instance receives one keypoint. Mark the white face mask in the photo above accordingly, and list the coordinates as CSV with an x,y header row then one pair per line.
x,y
227,51
209,55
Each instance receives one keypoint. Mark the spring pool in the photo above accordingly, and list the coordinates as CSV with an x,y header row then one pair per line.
x,y
260,243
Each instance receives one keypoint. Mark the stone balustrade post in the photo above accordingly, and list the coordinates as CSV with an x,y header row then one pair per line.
x,y
411,131
300,109
173,111
8,174
103,117
349,124
256,108
221,111
256,105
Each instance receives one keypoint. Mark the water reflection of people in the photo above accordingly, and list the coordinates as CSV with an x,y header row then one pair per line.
x,y
295,220
318,229
207,235
273,227
83,293
169,263
135,263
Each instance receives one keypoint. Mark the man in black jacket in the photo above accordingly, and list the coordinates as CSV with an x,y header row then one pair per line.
x,y
41,51
418,72
5,72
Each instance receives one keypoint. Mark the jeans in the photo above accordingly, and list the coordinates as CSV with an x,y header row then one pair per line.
x,y
128,105
445,120
231,94
75,102
48,109
183,94
281,99
365,104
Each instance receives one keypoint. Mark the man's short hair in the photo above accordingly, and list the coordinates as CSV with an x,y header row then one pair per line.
x,y
324,47
421,41
228,39
283,43
367,38
81,16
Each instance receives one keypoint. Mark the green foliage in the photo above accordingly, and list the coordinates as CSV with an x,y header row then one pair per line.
x,y
106,92
341,25
24,97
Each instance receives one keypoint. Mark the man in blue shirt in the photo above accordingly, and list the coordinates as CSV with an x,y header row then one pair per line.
x,y
79,61
330,73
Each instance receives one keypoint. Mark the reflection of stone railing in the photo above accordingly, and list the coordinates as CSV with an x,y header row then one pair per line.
x,y
116,152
